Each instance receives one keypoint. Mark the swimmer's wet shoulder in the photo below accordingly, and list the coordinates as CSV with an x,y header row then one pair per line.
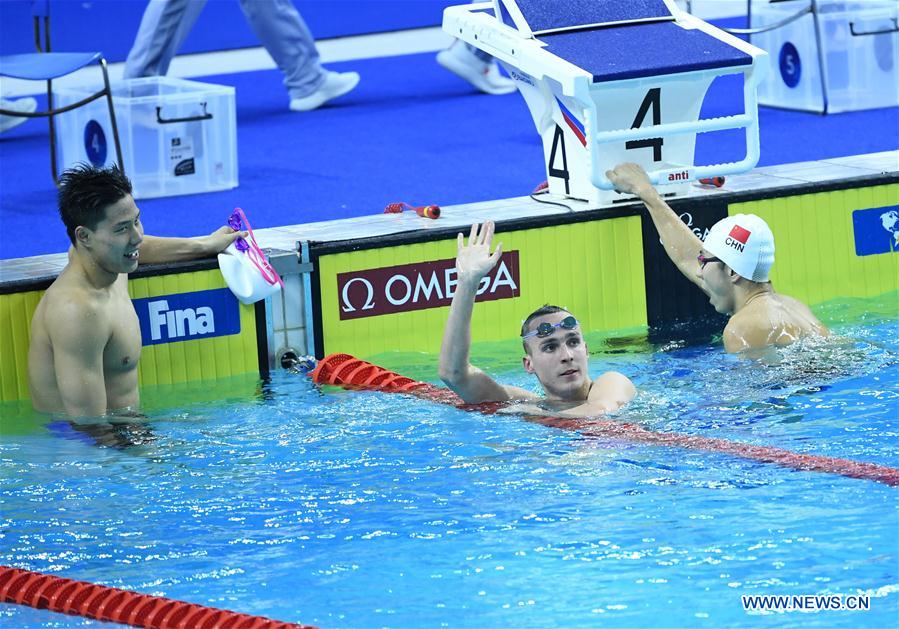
x,y
771,319
607,394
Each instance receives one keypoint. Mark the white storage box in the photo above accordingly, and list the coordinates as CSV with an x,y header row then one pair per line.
x,y
177,136
859,50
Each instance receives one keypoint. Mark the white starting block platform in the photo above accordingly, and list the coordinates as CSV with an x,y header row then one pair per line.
x,y
616,81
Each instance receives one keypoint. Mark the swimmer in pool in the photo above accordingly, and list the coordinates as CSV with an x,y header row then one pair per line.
x,y
553,344
731,267
85,336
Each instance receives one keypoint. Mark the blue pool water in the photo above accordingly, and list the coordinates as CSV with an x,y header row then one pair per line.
x,y
370,510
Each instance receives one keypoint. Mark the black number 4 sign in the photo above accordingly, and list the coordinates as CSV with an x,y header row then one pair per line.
x,y
651,101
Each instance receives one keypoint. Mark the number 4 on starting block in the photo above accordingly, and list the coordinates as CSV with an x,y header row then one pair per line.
x,y
616,81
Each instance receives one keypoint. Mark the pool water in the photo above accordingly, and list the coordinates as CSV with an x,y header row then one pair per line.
x,y
359,509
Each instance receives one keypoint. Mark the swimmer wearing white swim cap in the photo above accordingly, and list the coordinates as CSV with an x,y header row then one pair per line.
x,y
732,267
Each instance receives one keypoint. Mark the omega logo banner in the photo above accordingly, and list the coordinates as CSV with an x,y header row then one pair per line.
x,y
407,287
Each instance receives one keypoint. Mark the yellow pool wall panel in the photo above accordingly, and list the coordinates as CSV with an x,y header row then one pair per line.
x,y
16,310
197,359
169,363
594,268
815,258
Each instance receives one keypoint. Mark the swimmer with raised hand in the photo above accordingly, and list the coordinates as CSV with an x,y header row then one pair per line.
x,y
731,267
553,343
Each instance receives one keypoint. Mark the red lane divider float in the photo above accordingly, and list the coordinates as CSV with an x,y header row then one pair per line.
x,y
78,598
349,372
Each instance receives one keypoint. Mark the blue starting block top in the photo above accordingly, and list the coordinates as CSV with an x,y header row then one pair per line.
x,y
552,15
643,49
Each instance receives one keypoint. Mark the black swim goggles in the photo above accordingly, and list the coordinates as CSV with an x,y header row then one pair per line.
x,y
545,329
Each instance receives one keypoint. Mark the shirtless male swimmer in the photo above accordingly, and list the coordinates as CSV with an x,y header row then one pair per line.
x,y
85,335
731,267
554,349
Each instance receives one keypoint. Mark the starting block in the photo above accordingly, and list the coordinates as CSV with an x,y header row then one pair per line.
x,y
611,81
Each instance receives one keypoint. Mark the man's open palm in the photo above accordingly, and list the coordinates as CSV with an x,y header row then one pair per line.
x,y
474,261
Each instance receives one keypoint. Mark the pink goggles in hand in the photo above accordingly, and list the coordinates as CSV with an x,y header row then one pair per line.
x,y
238,222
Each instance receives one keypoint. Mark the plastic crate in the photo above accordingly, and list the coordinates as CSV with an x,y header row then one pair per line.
x,y
855,67
177,136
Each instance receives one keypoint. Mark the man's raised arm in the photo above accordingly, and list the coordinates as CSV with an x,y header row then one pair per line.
x,y
473,262
681,244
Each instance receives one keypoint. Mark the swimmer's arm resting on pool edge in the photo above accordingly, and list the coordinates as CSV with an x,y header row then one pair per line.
x,y
473,262
161,250
157,250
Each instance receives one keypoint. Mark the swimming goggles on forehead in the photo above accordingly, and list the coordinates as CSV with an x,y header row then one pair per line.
x,y
238,222
545,329
703,260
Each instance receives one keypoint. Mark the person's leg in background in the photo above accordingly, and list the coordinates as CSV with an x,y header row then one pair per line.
x,y
475,66
282,31
163,28
25,105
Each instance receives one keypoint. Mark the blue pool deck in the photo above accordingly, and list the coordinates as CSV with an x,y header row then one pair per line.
x,y
282,240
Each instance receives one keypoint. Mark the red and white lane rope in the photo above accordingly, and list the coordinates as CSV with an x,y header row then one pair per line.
x,y
99,602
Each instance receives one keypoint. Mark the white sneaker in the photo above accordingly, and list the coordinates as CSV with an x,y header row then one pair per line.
x,y
26,105
335,84
459,60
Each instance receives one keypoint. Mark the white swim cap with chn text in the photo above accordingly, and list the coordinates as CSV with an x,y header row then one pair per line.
x,y
744,242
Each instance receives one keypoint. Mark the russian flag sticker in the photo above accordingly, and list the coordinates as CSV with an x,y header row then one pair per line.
x,y
573,123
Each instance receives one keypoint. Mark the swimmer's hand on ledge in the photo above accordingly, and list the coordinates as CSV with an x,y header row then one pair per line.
x,y
220,239
157,250
630,178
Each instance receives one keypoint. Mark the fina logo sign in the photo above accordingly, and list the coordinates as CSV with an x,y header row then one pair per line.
x,y
408,287
187,316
